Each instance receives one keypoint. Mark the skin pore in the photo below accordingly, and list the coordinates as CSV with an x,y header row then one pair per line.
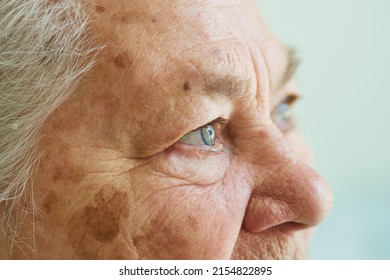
x,y
115,180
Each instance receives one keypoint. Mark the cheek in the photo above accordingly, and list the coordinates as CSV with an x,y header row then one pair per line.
x,y
271,245
193,166
191,221
99,224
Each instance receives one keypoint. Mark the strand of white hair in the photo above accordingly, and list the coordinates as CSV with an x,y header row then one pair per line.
x,y
44,50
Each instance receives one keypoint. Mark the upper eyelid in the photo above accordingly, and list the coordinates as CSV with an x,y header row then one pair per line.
x,y
289,99
218,120
217,124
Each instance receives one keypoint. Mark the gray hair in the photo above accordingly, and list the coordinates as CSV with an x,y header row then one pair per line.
x,y
44,50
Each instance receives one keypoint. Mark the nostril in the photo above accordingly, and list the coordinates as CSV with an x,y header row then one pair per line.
x,y
304,191
290,227
265,212
291,199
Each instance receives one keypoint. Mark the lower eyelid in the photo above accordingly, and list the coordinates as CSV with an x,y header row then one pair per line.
x,y
289,126
197,151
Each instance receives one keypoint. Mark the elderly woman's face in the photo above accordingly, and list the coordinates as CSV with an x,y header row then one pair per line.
x,y
179,143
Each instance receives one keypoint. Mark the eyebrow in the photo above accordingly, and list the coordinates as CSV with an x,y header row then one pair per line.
x,y
231,86
235,86
293,62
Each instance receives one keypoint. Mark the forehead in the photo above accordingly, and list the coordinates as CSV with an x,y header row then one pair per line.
x,y
163,39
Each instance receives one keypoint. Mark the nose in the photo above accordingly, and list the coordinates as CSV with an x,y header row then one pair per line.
x,y
292,197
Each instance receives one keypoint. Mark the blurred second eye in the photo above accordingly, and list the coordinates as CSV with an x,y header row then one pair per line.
x,y
282,116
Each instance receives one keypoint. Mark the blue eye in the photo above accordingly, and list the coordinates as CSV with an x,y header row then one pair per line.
x,y
202,136
282,116
208,135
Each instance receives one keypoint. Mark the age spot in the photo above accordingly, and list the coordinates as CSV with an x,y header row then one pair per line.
x,y
94,231
51,199
122,60
103,219
66,173
187,86
100,9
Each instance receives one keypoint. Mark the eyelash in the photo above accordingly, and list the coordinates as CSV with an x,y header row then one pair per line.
x,y
217,126
219,121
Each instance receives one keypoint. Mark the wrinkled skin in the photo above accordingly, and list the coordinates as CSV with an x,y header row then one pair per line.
x,y
116,182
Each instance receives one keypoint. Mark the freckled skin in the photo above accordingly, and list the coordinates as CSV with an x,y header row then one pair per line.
x,y
122,60
187,86
100,9
114,182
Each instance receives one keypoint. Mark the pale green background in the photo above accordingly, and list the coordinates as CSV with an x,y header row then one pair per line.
x,y
345,79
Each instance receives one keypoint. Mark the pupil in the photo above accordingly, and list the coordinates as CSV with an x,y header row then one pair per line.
x,y
208,135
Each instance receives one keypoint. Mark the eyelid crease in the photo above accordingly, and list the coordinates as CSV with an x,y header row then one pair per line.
x,y
219,120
